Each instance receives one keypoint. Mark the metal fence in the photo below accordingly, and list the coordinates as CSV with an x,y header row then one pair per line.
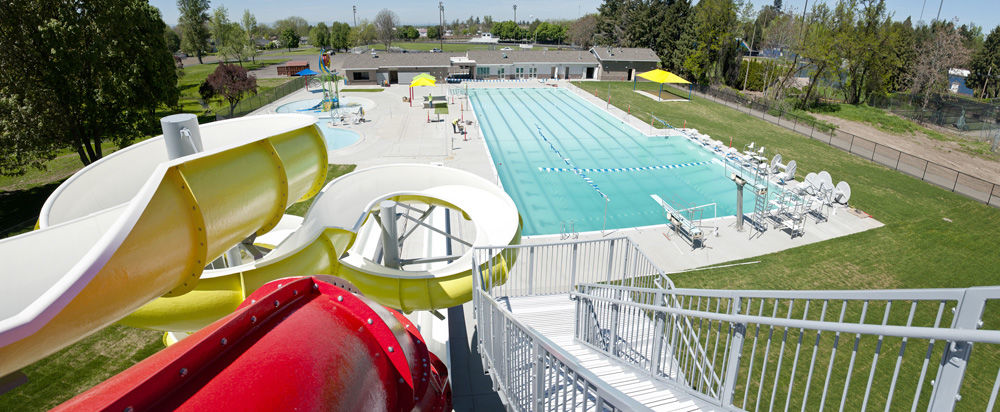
x,y
528,370
804,350
976,119
249,104
916,166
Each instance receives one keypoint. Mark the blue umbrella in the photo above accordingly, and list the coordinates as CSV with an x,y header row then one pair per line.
x,y
306,72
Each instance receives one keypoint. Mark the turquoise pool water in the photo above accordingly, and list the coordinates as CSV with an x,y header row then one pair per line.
x,y
336,138
553,150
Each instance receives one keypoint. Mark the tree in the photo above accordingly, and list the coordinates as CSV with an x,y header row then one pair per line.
x,y
985,67
249,24
825,30
385,26
194,31
581,32
219,25
296,23
944,51
716,48
290,39
340,36
364,33
231,82
320,36
433,32
172,39
114,71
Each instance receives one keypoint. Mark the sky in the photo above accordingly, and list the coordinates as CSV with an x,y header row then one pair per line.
x,y
985,13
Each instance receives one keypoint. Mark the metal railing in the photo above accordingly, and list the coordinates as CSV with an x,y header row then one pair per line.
x,y
943,176
261,99
528,370
805,350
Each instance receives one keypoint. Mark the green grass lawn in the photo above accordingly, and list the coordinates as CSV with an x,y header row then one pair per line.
x,y
332,172
194,76
917,248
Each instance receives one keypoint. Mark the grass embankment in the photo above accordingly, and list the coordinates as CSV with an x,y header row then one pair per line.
x,y
77,368
194,76
917,248
890,123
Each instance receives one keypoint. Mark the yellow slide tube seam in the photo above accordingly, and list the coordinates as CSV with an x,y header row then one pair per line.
x,y
184,285
320,181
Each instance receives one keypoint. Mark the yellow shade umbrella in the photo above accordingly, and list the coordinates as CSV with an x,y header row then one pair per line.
x,y
424,76
661,76
420,80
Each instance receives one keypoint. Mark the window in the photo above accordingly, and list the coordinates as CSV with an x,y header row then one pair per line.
x,y
500,72
519,71
362,76
482,71
533,72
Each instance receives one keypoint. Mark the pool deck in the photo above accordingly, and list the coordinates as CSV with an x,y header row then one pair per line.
x,y
398,133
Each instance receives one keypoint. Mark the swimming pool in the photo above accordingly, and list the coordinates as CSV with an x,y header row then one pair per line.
x,y
336,138
558,156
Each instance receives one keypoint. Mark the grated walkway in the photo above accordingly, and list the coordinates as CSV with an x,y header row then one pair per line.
x,y
553,317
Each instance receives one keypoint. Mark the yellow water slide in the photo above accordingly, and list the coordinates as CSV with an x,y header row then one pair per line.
x,y
134,231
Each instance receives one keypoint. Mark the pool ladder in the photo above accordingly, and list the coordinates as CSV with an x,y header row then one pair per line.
x,y
567,230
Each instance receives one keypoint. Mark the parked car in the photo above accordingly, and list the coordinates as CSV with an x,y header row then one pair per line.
x,y
506,49
435,50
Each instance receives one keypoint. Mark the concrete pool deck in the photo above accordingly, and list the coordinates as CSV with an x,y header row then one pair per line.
x,y
398,133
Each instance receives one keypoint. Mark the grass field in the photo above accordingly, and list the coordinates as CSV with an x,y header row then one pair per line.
x,y
917,248
76,368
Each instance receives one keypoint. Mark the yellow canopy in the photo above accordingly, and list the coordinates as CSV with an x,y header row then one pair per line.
x,y
423,81
424,76
662,76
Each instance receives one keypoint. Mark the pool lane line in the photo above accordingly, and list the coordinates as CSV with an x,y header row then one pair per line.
x,y
574,169
624,169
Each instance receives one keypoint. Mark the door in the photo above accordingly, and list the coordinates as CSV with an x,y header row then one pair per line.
x,y
566,72
590,72
553,74
628,75
394,77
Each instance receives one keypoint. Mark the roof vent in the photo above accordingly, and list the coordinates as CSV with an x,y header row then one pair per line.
x,y
505,55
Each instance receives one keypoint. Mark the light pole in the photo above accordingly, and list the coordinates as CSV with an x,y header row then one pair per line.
x,y
355,15
515,13
441,26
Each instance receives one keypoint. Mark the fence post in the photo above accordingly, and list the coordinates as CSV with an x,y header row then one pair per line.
x,y
613,329
538,394
956,354
898,156
990,199
611,258
572,270
851,148
874,149
925,170
955,185
654,362
531,270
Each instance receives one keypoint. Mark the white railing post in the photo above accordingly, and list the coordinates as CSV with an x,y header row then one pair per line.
x,y
611,258
956,354
613,328
531,270
739,331
538,394
654,362
572,271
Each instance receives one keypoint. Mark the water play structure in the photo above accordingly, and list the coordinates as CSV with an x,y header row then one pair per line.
x,y
135,231
331,93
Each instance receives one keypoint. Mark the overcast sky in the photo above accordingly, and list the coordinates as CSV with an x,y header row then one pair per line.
x,y
985,13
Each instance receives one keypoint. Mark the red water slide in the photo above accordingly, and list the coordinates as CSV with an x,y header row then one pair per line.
x,y
294,344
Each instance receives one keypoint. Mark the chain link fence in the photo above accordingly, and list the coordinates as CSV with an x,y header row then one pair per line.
x,y
249,104
970,118
974,187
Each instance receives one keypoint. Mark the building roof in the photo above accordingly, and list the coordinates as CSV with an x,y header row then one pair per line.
x,y
519,56
624,54
296,63
367,61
